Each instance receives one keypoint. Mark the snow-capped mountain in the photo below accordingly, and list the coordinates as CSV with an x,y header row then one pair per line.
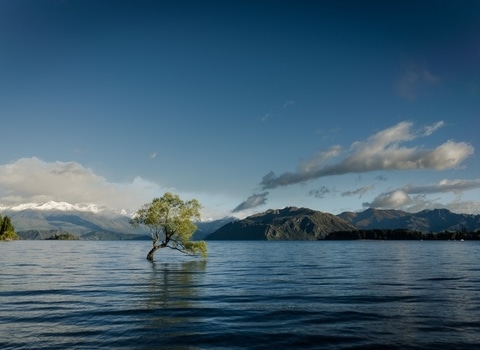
x,y
64,206
53,205
88,221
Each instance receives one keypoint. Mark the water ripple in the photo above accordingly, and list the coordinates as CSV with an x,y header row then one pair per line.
x,y
256,295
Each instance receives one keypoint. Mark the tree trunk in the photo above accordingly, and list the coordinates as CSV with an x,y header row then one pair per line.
x,y
151,252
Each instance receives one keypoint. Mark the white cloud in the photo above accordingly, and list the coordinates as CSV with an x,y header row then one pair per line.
x,y
33,180
455,186
320,158
430,129
415,198
381,151
391,200
464,207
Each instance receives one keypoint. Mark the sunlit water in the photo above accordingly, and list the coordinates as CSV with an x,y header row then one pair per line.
x,y
257,295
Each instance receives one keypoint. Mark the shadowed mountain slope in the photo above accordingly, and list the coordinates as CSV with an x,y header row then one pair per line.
x,y
435,220
290,223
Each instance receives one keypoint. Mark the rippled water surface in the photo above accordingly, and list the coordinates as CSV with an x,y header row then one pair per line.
x,y
258,295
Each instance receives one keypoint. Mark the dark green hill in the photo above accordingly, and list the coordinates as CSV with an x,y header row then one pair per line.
x,y
436,220
290,223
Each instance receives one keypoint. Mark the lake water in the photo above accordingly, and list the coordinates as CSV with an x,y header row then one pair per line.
x,y
256,295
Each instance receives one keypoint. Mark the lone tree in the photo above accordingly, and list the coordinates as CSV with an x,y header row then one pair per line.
x,y
169,220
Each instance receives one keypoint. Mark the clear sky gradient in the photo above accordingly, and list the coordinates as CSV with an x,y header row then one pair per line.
x,y
244,105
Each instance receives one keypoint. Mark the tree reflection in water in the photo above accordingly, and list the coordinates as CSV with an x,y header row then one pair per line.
x,y
174,284
171,302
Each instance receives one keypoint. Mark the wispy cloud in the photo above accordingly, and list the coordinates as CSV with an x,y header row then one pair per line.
x,y
33,180
357,192
327,134
321,192
413,197
413,79
276,111
381,151
253,201
430,129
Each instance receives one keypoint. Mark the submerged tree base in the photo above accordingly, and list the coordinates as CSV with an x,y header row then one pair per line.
x,y
151,252
189,248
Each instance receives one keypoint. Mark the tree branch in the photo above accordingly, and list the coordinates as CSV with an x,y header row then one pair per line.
x,y
180,250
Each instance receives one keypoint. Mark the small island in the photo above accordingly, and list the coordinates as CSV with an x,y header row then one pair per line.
x,y
63,237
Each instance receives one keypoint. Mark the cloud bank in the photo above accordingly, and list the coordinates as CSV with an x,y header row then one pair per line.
x,y
414,197
31,180
385,150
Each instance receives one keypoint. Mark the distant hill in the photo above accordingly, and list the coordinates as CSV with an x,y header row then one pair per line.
x,y
75,222
436,220
374,218
204,228
44,221
290,223
90,236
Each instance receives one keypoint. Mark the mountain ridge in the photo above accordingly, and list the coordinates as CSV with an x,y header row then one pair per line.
x,y
40,220
62,206
428,220
289,223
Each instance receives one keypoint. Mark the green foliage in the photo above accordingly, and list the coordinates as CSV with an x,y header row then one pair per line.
x,y
402,234
7,231
63,237
169,220
198,247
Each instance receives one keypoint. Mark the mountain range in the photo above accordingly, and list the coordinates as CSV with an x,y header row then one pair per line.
x,y
43,223
93,223
89,222
293,223
431,220
290,223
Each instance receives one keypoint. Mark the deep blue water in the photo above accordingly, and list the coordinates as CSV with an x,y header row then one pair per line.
x,y
257,295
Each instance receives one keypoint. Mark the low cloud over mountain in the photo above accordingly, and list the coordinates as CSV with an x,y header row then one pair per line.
x,y
31,180
412,197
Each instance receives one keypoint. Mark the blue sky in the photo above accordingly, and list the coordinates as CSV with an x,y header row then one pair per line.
x,y
244,105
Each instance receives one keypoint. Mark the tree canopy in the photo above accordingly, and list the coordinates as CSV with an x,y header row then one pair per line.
x,y
7,231
169,220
